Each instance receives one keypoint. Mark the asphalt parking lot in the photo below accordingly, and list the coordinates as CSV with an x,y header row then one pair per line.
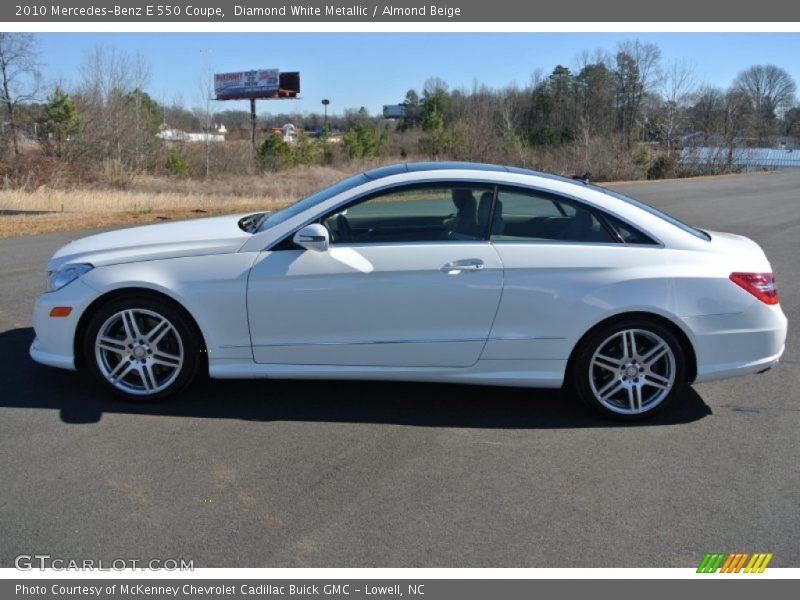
x,y
327,474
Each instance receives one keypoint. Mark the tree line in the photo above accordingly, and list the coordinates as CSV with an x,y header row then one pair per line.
x,y
620,114
626,104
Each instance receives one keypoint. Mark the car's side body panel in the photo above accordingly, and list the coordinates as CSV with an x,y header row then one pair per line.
x,y
211,288
374,305
558,291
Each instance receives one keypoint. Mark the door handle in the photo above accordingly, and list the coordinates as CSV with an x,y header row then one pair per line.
x,y
468,264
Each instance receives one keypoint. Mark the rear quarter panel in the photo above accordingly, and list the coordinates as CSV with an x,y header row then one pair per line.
x,y
554,293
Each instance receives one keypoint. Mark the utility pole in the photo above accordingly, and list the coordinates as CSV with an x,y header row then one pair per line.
x,y
253,125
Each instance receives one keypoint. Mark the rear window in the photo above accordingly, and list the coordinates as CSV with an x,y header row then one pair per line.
x,y
629,235
699,233
532,215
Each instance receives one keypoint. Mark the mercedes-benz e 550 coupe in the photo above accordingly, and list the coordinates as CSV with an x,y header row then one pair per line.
x,y
448,272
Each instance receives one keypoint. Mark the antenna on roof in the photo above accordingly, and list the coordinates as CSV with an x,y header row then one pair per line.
x,y
584,178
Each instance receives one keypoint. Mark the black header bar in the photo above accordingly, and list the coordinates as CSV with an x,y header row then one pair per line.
x,y
275,11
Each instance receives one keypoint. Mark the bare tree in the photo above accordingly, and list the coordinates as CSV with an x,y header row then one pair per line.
x,y
508,110
647,57
676,83
434,85
120,118
791,121
587,58
706,113
204,114
594,92
479,129
105,81
19,68
735,116
770,90
142,135
536,78
637,74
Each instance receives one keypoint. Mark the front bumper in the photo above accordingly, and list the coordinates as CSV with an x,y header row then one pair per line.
x,y
55,336
60,361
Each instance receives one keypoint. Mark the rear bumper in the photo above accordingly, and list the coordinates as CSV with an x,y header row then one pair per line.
x,y
738,344
724,371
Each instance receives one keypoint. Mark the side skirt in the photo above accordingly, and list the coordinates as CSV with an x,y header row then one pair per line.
x,y
517,373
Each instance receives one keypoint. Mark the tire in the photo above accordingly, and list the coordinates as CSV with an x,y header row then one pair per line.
x,y
625,385
142,348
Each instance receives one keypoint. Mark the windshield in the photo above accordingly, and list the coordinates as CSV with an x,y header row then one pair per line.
x,y
654,211
312,200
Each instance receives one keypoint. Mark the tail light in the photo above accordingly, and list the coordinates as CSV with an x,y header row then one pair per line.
x,y
761,285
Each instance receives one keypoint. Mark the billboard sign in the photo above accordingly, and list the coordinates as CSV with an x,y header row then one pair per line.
x,y
290,84
259,83
394,111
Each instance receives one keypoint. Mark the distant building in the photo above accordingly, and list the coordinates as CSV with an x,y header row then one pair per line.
x,y
289,133
334,135
710,158
177,135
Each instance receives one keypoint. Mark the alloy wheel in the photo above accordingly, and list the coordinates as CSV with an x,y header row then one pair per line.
x,y
632,371
139,351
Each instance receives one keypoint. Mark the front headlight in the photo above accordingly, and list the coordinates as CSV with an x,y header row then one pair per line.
x,y
55,280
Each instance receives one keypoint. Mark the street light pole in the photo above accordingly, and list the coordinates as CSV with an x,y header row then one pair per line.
x,y
325,103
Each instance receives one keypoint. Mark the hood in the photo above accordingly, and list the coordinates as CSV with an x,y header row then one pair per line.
x,y
195,237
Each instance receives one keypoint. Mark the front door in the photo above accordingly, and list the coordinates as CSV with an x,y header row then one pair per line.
x,y
409,280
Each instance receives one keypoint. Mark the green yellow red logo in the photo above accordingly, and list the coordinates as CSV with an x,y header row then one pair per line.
x,y
734,562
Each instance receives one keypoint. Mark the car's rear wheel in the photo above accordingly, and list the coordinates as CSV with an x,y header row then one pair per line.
x,y
142,348
630,369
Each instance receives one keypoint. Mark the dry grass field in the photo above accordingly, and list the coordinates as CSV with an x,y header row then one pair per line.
x,y
31,213
151,199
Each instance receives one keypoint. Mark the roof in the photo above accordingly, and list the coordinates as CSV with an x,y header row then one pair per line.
x,y
417,167
742,157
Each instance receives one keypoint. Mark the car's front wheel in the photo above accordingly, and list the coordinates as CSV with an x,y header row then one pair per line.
x,y
142,348
629,369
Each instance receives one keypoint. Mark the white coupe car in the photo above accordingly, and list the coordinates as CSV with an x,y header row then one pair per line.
x,y
448,272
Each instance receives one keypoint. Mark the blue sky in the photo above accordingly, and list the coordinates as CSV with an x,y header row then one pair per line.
x,y
363,69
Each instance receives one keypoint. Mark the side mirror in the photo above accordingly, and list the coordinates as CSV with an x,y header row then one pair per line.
x,y
313,237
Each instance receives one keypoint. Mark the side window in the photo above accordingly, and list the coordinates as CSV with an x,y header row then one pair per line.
x,y
414,214
629,234
522,215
